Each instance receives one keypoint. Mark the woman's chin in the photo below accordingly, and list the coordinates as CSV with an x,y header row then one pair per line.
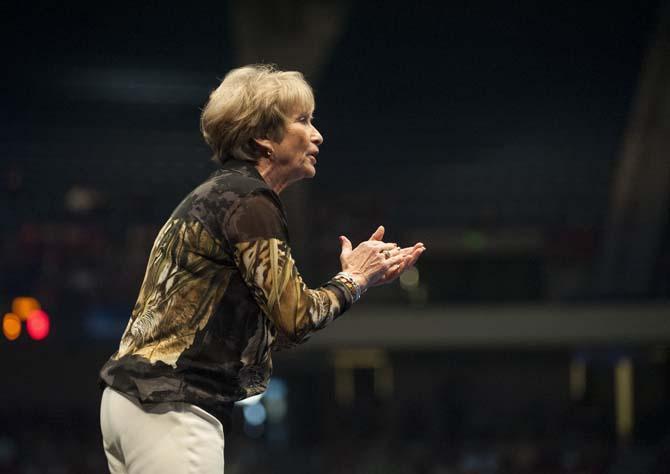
x,y
310,170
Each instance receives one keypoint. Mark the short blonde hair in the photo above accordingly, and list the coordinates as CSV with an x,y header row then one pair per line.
x,y
252,102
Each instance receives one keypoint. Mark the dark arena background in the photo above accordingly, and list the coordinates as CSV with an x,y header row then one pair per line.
x,y
527,144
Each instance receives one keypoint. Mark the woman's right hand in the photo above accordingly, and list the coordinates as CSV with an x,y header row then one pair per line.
x,y
373,261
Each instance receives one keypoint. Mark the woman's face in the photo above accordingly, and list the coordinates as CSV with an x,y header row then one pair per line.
x,y
296,154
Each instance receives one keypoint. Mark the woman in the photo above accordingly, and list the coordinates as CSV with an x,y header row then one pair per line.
x,y
221,290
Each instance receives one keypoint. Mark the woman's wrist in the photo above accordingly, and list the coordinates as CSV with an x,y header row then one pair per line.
x,y
361,280
356,283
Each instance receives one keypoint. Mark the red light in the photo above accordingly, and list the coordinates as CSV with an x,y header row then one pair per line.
x,y
38,325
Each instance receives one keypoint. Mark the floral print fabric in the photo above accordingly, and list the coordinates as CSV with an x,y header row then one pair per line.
x,y
220,293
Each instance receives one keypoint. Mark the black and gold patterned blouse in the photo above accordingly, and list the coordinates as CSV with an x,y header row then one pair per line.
x,y
221,291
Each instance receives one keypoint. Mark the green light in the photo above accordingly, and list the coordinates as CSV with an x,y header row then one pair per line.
x,y
475,241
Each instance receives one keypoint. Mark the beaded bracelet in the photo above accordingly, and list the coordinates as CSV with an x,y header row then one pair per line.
x,y
350,279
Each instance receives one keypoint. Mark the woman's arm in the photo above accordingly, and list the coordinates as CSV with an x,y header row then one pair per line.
x,y
257,234
270,272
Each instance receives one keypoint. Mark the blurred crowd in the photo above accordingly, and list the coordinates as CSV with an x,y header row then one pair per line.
x,y
70,445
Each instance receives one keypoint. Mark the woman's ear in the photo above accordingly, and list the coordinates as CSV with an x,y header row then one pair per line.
x,y
264,146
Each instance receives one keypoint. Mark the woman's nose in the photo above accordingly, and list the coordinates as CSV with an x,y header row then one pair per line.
x,y
317,138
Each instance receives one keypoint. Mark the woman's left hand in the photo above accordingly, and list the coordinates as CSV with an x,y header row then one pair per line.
x,y
410,256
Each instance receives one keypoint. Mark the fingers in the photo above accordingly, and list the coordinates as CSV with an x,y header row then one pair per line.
x,y
393,261
346,245
401,257
415,246
378,234
380,246
381,262
414,256
407,251
410,252
392,252
394,272
410,256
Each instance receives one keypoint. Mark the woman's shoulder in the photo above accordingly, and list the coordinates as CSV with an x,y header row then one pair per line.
x,y
226,189
232,186
236,176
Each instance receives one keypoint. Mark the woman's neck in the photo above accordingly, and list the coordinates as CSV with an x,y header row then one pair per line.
x,y
272,175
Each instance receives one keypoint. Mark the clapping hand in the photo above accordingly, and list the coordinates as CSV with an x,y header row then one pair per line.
x,y
410,256
375,262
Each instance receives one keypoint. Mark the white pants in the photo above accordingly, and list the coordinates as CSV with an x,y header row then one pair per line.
x,y
160,438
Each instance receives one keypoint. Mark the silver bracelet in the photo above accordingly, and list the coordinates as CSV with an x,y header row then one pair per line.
x,y
357,288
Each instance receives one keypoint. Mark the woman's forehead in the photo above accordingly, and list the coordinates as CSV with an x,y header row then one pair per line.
x,y
299,101
301,109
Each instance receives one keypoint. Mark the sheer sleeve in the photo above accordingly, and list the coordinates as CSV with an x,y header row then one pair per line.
x,y
256,230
